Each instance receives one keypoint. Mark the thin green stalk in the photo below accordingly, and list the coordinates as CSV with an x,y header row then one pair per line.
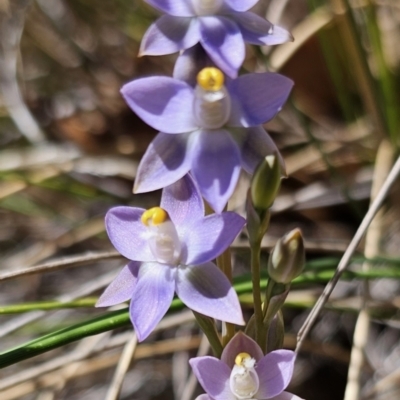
x,y
207,325
255,276
355,51
224,263
109,321
46,305
388,84
335,69
120,318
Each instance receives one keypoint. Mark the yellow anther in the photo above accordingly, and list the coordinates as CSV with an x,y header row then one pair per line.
x,y
154,216
241,358
211,79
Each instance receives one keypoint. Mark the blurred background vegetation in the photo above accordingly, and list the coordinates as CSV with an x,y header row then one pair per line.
x,y
69,150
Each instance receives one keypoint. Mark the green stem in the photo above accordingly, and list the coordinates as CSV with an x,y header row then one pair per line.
x,y
255,276
120,318
46,305
225,264
207,325
109,321
388,85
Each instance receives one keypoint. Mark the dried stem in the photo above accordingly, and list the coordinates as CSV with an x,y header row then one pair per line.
x,y
122,369
375,206
383,164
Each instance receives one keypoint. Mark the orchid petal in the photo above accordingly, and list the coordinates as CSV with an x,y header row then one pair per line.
x,y
209,237
128,234
203,397
152,297
256,145
275,371
216,166
222,40
259,31
169,35
257,98
166,160
162,102
241,5
205,289
180,8
240,343
183,202
286,396
122,287
213,376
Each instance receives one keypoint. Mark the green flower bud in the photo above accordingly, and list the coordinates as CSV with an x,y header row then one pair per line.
x,y
266,182
257,223
287,259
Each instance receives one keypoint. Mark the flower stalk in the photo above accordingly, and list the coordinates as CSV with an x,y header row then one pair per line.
x,y
208,327
260,331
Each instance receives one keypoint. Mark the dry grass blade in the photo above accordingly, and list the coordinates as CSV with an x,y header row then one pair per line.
x,y
375,206
372,240
302,32
122,368
11,27
65,262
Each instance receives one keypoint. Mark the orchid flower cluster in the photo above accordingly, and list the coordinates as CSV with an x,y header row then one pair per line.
x,y
210,127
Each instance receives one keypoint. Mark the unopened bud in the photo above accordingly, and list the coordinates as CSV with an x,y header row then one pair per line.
x,y
266,182
287,259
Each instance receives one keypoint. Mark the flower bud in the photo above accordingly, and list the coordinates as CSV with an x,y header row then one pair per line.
x,y
266,182
257,223
287,259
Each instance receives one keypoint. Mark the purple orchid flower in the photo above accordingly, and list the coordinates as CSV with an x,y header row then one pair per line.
x,y
172,247
245,373
212,129
220,26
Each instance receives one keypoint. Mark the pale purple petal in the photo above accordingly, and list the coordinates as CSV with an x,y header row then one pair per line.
x,y
222,40
240,5
190,63
240,343
169,35
183,201
278,35
257,98
203,397
180,8
205,289
128,234
152,297
216,166
166,160
213,376
275,371
286,396
209,237
259,31
162,102
256,145
122,287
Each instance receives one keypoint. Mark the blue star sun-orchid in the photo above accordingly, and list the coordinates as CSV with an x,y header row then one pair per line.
x,y
244,373
171,248
212,129
220,26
